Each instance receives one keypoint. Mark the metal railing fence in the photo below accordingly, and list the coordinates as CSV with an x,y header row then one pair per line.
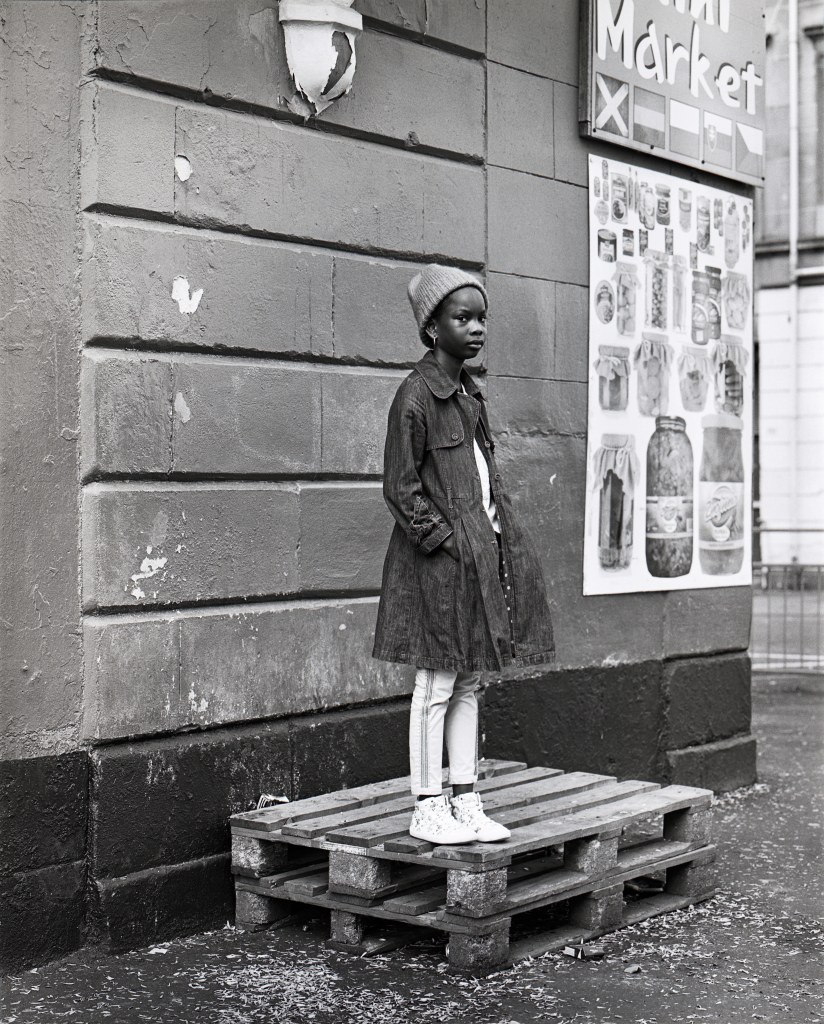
x,y
788,602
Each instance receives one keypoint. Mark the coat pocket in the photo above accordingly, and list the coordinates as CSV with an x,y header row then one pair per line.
x,y
448,436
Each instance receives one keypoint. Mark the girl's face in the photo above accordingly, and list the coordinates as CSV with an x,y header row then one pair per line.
x,y
459,324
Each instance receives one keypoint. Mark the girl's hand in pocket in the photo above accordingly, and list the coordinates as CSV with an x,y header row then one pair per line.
x,y
450,547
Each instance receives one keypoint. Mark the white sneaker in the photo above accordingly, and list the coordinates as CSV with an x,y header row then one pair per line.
x,y
468,810
433,822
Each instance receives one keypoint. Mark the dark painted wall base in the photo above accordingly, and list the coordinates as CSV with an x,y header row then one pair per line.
x,y
157,814
43,814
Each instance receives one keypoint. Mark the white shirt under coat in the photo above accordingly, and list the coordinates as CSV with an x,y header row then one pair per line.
x,y
486,490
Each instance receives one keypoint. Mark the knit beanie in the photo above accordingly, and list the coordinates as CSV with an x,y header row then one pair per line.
x,y
431,286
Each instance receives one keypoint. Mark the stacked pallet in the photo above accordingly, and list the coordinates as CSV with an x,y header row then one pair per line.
x,y
590,853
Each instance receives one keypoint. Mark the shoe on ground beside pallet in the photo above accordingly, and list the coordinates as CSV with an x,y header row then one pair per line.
x,y
468,810
433,821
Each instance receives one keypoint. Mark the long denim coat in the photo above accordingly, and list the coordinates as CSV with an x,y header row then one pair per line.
x,y
436,611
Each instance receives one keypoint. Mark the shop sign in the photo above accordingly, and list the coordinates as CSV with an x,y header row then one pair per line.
x,y
670,420
683,79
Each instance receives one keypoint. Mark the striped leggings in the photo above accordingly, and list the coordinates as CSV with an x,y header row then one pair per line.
x,y
443,701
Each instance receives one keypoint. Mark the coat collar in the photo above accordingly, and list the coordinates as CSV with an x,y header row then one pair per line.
x,y
438,380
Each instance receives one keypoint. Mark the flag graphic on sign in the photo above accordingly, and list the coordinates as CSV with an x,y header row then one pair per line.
x,y
749,149
649,118
685,129
717,140
612,105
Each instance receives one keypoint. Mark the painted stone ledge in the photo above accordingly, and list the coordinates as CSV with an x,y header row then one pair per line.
x,y
208,415
147,674
162,544
240,293
254,174
723,765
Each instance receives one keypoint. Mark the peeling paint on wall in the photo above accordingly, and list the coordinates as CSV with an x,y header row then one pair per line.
x,y
182,410
187,302
183,168
197,707
149,567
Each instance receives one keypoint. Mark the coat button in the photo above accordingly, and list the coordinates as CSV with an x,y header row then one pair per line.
x,y
487,444
455,437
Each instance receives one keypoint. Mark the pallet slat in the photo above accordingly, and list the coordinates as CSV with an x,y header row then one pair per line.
x,y
606,821
269,819
337,824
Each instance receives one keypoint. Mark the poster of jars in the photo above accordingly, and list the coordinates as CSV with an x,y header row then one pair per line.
x,y
669,449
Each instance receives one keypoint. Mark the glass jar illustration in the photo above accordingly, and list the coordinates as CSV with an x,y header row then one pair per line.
x,y
607,245
732,238
700,328
612,368
669,499
735,291
620,198
604,302
656,266
729,362
721,496
714,302
718,215
652,360
679,293
646,209
615,466
694,378
684,208
702,223
626,294
662,205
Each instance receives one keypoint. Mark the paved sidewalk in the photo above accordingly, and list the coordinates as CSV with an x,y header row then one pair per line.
x,y
752,954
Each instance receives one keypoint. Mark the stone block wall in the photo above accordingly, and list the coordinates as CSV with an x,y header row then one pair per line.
x,y
208,322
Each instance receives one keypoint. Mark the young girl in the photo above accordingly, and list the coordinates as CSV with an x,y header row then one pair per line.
x,y
462,586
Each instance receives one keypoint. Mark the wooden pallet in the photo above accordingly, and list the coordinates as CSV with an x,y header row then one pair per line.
x,y
577,840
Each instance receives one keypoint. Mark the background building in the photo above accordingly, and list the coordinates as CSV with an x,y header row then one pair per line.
x,y
203,321
790,283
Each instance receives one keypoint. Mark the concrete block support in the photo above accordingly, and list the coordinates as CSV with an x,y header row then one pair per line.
x,y
598,910
254,912
345,929
479,954
475,893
